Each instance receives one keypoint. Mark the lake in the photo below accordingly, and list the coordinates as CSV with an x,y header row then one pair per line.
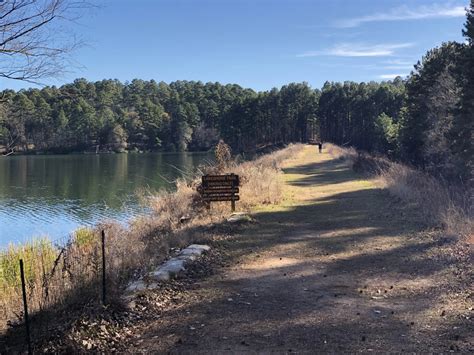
x,y
52,195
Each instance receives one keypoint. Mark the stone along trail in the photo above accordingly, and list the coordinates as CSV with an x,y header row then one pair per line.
x,y
339,265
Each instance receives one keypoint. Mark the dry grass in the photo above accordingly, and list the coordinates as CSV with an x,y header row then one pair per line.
x,y
174,213
441,205
259,178
177,215
53,271
341,153
62,273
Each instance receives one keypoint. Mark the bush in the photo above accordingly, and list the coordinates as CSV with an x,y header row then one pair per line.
x,y
56,275
441,205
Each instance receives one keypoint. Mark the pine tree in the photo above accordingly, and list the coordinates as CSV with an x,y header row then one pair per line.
x,y
463,127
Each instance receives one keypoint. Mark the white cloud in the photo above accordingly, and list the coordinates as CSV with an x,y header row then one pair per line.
x,y
359,50
405,13
399,62
391,76
398,67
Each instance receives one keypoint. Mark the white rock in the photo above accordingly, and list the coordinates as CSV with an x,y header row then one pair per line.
x,y
136,286
173,266
191,251
160,275
170,269
187,257
239,217
199,247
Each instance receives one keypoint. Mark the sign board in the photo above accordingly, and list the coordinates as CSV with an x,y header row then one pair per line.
x,y
220,188
230,180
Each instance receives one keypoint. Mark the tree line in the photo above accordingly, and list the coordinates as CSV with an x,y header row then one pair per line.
x,y
150,115
426,120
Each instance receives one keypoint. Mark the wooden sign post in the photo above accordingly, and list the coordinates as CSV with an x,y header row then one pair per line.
x,y
220,188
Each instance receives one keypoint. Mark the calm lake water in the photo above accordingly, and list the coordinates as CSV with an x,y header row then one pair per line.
x,y
53,195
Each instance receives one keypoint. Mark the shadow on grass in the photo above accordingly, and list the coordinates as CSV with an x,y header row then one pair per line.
x,y
337,251
355,273
56,315
328,172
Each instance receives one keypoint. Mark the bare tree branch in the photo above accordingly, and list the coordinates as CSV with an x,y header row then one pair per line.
x,y
33,40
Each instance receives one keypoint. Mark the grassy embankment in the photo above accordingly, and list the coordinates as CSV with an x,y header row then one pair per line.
x,y
55,274
441,205
339,265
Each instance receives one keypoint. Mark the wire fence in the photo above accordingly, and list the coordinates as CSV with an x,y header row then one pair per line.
x,y
56,274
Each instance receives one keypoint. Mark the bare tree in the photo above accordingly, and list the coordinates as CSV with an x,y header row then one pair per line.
x,y
34,39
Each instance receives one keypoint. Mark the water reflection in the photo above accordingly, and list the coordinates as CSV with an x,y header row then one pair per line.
x,y
52,195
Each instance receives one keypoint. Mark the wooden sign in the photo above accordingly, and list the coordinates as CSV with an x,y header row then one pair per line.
x,y
220,188
231,180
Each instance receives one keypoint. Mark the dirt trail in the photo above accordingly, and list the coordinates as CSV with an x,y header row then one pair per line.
x,y
339,266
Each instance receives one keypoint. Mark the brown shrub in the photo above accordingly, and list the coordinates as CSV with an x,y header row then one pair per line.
x,y
223,155
440,204
340,152
259,178
132,250
175,214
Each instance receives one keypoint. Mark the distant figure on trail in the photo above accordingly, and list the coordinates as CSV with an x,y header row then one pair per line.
x,y
320,146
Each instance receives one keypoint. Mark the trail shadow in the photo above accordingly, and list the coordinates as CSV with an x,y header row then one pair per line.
x,y
332,261
346,272
332,171
303,304
56,315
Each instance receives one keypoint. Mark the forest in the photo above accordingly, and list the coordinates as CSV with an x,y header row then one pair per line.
x,y
425,120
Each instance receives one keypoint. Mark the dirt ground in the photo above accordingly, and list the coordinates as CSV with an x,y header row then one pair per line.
x,y
339,266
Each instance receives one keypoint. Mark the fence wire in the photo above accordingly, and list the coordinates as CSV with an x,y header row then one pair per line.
x,y
58,273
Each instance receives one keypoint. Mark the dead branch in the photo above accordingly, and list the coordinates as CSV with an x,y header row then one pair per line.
x,y
32,41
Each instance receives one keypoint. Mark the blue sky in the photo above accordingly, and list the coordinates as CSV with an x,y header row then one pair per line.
x,y
259,43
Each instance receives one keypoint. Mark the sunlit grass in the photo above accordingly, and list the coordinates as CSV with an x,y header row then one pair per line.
x,y
36,254
73,266
84,236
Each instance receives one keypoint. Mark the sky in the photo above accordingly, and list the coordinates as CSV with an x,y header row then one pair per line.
x,y
258,44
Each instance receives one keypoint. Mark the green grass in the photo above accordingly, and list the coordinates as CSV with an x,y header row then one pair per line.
x,y
84,237
38,258
37,255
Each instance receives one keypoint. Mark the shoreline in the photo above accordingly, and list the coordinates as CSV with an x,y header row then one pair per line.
x,y
42,153
145,241
321,195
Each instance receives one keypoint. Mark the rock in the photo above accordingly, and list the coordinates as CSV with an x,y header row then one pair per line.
x,y
194,249
152,285
174,266
170,269
187,257
239,217
199,247
160,275
136,286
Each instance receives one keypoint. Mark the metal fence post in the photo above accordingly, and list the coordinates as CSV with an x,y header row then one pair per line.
x,y
103,269
25,306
